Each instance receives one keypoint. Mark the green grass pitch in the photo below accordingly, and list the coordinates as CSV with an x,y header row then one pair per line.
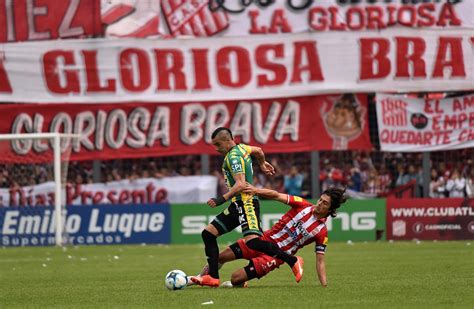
x,y
360,275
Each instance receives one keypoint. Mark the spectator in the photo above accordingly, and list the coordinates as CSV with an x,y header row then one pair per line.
x,y
373,183
346,172
435,185
401,175
325,176
337,177
293,182
134,173
116,175
405,177
164,172
456,185
385,179
79,179
185,171
442,180
4,183
355,181
470,184
364,170
152,170
419,182
442,170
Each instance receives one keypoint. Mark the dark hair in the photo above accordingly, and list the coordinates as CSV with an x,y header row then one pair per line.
x,y
220,129
337,198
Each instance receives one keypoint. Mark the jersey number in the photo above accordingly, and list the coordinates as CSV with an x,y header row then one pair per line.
x,y
271,263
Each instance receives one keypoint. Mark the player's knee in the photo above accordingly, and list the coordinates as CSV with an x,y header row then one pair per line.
x,y
206,235
237,251
258,245
211,229
250,237
252,243
238,277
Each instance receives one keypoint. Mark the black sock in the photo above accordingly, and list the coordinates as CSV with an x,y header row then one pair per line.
x,y
271,249
212,252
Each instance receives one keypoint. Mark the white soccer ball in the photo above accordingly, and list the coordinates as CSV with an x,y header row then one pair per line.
x,y
176,280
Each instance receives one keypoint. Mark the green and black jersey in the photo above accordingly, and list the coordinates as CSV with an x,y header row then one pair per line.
x,y
238,161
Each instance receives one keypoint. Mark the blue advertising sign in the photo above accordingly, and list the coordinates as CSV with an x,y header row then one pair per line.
x,y
87,225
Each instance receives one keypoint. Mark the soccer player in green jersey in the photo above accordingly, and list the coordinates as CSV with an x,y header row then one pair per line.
x,y
244,209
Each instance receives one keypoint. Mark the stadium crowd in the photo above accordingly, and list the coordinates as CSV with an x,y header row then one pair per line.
x,y
373,173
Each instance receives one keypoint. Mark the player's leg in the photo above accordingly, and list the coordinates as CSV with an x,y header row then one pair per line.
x,y
269,248
230,254
209,236
257,268
240,277
225,256
252,232
224,222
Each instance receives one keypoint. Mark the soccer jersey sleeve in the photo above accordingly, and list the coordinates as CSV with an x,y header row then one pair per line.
x,y
246,148
321,242
297,202
235,164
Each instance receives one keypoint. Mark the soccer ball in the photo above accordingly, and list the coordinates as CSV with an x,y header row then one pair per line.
x,y
176,280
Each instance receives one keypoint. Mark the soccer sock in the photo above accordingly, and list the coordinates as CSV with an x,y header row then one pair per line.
x,y
271,249
228,284
205,269
212,252
190,282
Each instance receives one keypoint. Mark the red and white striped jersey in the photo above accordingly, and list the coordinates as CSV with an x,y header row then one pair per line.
x,y
298,228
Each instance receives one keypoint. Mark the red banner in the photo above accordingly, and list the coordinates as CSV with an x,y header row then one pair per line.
x,y
130,130
204,18
26,20
252,67
430,219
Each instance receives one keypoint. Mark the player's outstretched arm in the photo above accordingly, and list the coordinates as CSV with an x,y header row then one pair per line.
x,y
266,193
265,166
321,269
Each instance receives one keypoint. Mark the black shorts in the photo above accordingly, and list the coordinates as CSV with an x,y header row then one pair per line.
x,y
247,215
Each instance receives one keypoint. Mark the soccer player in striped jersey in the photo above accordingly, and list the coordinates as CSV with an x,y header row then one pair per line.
x,y
302,225
244,209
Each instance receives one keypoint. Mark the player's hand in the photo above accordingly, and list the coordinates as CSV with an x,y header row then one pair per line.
x,y
249,189
216,201
211,203
267,169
